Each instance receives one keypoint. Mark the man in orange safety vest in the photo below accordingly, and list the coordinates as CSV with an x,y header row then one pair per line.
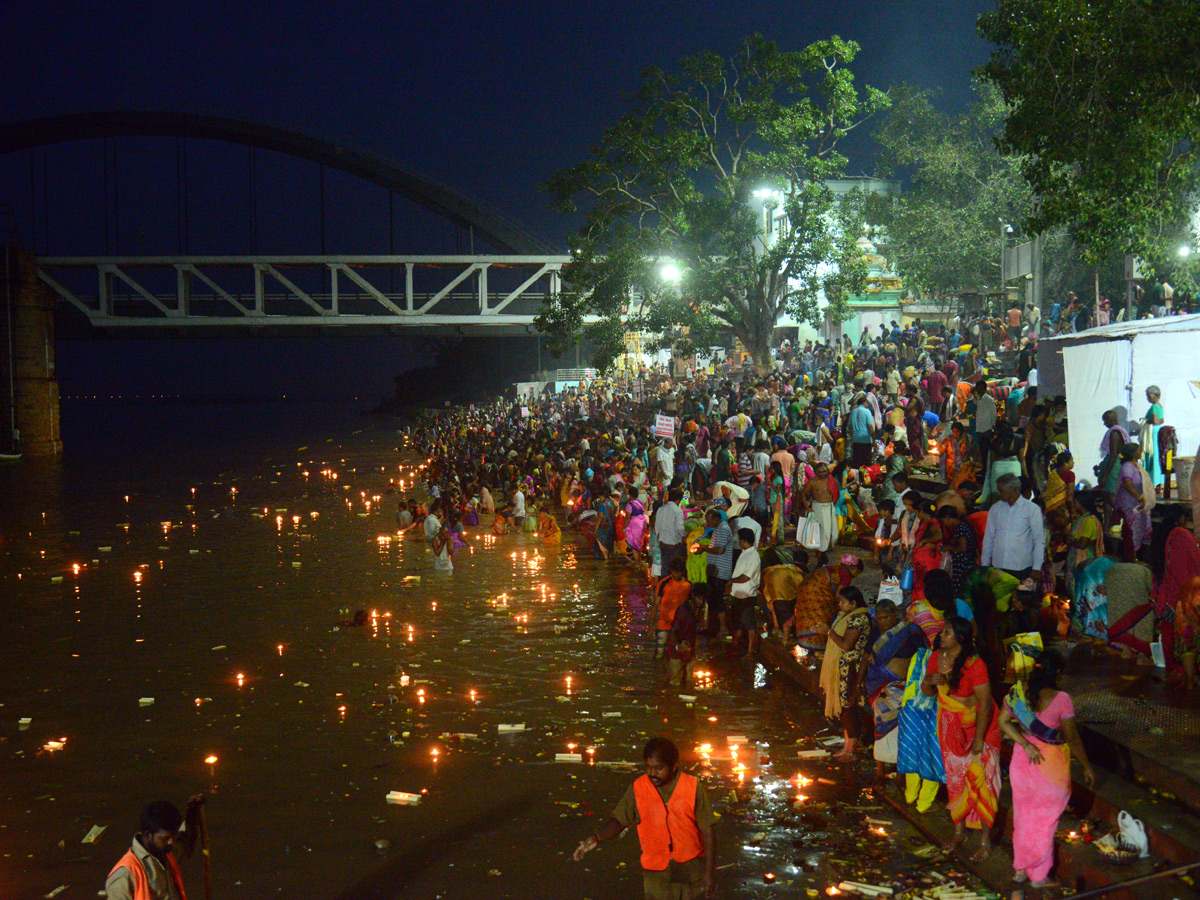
x,y
149,871
674,822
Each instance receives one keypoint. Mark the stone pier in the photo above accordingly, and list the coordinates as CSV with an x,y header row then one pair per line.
x,y
27,378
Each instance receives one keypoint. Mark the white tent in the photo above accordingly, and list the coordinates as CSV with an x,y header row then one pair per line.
x,y
1111,367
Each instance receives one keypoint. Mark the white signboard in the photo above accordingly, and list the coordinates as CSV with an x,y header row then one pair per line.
x,y
664,426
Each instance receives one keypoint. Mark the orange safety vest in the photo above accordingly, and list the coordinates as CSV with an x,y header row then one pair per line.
x,y
667,831
141,886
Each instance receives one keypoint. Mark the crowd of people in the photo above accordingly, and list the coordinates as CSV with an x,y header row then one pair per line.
x,y
754,501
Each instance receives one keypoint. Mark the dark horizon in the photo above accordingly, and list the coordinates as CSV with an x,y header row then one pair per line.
x,y
475,97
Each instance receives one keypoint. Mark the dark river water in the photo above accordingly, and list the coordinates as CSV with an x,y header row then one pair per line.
x,y
172,591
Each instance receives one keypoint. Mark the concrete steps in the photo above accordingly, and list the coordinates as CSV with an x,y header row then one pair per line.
x,y
1172,827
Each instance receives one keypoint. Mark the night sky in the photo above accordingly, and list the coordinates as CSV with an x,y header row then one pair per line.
x,y
489,98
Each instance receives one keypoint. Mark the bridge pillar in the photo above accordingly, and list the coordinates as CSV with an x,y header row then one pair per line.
x,y
29,413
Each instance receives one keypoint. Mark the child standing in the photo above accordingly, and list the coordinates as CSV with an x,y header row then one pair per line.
x,y
673,592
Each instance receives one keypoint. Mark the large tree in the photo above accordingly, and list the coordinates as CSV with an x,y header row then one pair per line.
x,y
943,228
1105,98
689,183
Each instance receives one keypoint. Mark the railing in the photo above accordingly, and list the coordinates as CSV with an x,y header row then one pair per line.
x,y
304,290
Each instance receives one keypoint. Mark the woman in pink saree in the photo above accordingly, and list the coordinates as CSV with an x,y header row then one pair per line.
x,y
1040,719
635,527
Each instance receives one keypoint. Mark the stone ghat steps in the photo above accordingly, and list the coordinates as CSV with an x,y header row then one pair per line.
x,y
1172,828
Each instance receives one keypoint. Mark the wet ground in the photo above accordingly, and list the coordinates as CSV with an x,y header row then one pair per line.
x,y
169,633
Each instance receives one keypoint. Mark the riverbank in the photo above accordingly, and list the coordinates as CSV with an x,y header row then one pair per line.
x,y
219,600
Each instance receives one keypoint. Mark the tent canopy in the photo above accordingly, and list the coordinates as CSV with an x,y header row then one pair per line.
x,y
1110,368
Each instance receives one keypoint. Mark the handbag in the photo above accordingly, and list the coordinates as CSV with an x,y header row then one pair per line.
x,y
907,579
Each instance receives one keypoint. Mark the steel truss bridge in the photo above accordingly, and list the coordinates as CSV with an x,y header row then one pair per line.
x,y
455,294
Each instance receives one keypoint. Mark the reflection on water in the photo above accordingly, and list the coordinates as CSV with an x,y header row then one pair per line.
x,y
174,625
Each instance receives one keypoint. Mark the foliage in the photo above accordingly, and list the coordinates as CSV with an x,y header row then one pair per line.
x,y
1105,98
682,178
943,228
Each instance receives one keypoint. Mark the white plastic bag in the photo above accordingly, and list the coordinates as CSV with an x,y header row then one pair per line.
x,y
812,535
1133,833
801,521
889,589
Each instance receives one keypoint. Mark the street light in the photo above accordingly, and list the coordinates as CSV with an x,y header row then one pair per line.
x,y
1005,231
670,272
1185,251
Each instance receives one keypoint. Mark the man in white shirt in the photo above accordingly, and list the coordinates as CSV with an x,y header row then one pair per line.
x,y
432,526
669,529
1014,539
760,462
742,589
518,510
748,523
664,462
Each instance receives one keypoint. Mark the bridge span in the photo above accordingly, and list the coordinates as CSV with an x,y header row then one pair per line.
x,y
230,294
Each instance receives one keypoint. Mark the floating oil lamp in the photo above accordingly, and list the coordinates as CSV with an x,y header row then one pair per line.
x,y
768,877
241,679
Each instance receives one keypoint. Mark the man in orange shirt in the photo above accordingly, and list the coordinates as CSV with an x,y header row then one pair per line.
x,y
1014,323
674,820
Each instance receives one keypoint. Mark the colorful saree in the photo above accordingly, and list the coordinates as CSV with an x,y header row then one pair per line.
x,y
1089,605
919,753
973,783
885,689
1039,792
635,528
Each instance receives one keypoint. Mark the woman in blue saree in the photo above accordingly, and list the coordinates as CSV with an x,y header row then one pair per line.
x,y
887,665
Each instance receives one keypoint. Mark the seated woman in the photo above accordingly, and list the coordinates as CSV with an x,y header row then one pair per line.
x,y
1089,605
887,666
1060,484
1175,563
548,529
926,553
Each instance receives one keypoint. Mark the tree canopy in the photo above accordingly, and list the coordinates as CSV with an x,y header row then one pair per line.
x,y
694,175
1105,98
943,228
